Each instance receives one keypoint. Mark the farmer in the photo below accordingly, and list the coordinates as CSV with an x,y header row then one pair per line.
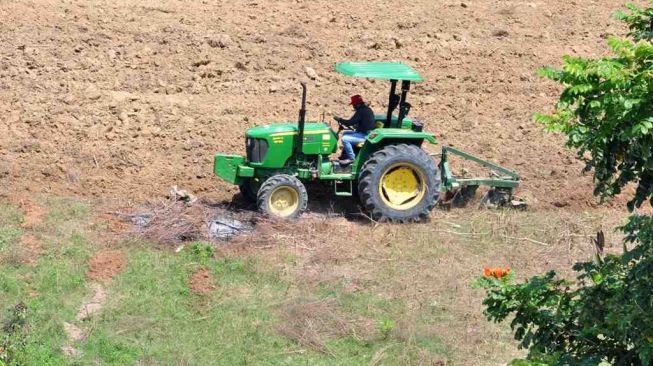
x,y
362,122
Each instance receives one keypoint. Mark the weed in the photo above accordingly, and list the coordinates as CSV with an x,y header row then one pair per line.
x,y
202,252
14,337
386,326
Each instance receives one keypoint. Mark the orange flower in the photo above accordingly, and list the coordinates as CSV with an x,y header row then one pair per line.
x,y
496,272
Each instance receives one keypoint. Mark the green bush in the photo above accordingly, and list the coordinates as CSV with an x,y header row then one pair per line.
x,y
606,111
605,316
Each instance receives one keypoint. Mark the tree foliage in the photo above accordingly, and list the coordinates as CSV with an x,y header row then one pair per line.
x,y
638,21
604,316
606,110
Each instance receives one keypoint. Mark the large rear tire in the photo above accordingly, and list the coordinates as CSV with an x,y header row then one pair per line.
x,y
282,196
399,183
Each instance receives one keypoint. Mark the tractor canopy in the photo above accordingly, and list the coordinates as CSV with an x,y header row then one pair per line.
x,y
379,70
393,71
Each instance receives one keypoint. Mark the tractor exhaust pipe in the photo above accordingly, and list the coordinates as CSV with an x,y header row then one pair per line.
x,y
302,120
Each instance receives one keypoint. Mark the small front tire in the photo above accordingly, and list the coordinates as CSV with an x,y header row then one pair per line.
x,y
282,196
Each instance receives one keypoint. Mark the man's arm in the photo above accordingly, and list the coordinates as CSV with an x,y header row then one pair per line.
x,y
353,121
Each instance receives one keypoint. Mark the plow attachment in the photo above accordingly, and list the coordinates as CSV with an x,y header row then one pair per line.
x,y
460,190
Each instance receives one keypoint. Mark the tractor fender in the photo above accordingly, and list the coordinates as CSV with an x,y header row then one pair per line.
x,y
399,135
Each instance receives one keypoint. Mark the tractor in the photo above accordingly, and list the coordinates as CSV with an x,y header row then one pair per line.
x,y
392,176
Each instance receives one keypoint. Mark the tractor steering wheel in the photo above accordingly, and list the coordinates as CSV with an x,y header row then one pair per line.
x,y
341,126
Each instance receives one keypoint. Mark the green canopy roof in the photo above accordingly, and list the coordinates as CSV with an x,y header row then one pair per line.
x,y
379,70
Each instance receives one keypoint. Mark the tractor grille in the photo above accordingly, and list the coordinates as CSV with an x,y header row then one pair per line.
x,y
256,150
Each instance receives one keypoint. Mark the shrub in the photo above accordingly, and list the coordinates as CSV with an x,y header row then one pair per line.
x,y
606,314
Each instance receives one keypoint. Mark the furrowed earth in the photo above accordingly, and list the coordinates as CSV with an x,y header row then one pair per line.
x,y
124,101
104,106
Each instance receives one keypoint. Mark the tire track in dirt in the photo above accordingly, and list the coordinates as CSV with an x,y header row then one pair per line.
x,y
103,267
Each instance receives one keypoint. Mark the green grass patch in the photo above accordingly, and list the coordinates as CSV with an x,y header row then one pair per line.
x,y
8,237
9,215
51,290
152,314
66,209
398,294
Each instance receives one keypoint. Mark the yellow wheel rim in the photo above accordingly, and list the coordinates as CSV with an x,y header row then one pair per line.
x,y
402,186
283,201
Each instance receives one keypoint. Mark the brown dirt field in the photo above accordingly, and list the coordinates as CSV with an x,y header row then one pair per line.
x,y
125,100
105,265
201,282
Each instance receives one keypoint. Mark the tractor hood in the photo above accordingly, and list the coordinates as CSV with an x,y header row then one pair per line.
x,y
278,129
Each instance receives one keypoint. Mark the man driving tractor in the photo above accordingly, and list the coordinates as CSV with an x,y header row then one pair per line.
x,y
362,122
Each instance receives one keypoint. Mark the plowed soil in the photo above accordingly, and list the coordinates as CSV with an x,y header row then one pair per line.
x,y
125,99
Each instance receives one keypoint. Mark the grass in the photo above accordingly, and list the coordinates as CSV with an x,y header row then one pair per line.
x,y
153,317
51,290
371,295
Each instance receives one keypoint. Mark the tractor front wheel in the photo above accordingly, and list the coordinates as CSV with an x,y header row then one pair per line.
x,y
399,183
282,196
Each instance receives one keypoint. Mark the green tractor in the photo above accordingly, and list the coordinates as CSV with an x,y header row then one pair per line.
x,y
394,178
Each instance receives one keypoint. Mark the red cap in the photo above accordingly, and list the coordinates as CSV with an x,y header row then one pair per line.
x,y
356,100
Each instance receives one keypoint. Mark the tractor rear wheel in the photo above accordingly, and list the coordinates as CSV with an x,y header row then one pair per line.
x,y
249,189
399,183
282,196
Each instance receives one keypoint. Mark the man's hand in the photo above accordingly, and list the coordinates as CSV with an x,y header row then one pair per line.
x,y
338,119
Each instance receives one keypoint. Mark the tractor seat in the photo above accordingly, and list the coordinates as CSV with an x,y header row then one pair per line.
x,y
358,147
378,124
